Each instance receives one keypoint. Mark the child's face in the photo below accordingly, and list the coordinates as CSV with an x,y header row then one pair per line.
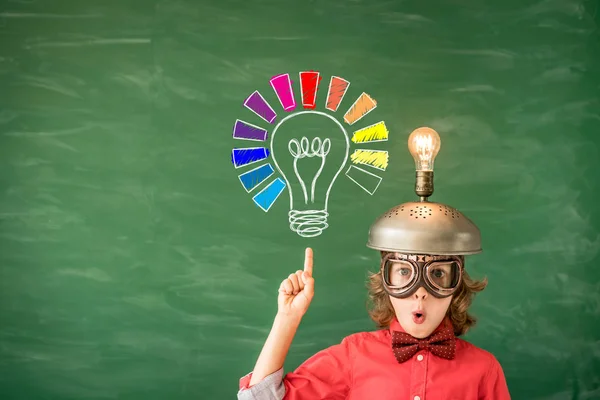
x,y
433,312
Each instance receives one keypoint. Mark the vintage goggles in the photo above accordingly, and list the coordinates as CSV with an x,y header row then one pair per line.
x,y
403,274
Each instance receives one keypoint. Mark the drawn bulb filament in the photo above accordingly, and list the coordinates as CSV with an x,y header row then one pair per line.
x,y
318,148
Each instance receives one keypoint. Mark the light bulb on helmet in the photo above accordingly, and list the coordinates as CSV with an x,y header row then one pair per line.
x,y
424,144
424,227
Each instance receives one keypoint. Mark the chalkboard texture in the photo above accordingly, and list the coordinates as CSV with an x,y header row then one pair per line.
x,y
134,263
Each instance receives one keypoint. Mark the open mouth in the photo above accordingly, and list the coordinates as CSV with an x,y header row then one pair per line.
x,y
418,317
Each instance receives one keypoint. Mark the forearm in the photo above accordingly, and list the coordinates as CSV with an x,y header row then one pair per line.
x,y
276,347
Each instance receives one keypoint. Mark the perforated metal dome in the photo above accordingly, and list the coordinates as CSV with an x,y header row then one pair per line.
x,y
425,228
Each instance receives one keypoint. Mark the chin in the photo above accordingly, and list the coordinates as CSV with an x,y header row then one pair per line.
x,y
419,331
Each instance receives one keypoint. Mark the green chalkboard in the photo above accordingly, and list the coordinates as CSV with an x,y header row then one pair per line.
x,y
135,265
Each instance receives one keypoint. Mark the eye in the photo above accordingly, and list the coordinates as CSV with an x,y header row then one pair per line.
x,y
404,271
438,273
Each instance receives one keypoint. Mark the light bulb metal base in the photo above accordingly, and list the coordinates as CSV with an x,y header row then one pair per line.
x,y
424,184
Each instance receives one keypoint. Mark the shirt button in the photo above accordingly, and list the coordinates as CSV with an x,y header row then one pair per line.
x,y
417,398
420,358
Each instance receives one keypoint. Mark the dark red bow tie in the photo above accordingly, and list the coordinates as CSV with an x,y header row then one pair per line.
x,y
441,343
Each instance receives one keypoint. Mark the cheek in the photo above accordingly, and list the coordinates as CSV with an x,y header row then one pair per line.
x,y
442,305
401,305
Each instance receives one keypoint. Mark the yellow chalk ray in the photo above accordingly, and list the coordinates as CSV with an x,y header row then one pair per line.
x,y
374,158
361,107
372,133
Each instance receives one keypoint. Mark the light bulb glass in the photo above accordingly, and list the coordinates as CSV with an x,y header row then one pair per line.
x,y
424,144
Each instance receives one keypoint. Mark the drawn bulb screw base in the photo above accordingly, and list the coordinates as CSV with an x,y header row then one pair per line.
x,y
309,223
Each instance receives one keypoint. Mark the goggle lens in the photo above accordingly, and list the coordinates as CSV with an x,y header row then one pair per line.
x,y
399,274
443,274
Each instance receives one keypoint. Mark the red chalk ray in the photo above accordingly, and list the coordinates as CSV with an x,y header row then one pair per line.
x,y
337,89
309,83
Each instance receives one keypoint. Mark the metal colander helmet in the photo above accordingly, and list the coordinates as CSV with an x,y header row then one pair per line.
x,y
424,227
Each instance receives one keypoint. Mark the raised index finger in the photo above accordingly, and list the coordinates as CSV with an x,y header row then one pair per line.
x,y
308,261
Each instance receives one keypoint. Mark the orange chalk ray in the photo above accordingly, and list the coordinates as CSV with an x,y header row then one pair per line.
x,y
361,107
337,90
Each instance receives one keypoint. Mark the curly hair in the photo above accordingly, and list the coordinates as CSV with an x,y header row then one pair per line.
x,y
382,312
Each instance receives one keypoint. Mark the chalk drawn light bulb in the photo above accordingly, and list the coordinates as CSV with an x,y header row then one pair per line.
x,y
296,143
308,206
424,144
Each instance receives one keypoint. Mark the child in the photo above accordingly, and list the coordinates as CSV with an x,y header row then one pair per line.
x,y
420,299
389,363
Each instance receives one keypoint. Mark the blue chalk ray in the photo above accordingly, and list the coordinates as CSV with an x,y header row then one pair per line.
x,y
251,179
249,155
266,197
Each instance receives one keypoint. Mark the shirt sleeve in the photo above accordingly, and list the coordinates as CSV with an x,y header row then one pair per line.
x,y
326,375
494,385
269,388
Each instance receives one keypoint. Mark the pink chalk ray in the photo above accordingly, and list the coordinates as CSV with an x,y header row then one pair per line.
x,y
282,85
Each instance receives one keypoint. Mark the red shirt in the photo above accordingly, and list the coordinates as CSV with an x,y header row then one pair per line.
x,y
363,366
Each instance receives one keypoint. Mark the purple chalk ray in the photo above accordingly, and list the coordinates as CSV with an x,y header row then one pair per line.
x,y
257,104
245,130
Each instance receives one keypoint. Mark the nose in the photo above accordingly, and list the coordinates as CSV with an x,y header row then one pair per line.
x,y
421,293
